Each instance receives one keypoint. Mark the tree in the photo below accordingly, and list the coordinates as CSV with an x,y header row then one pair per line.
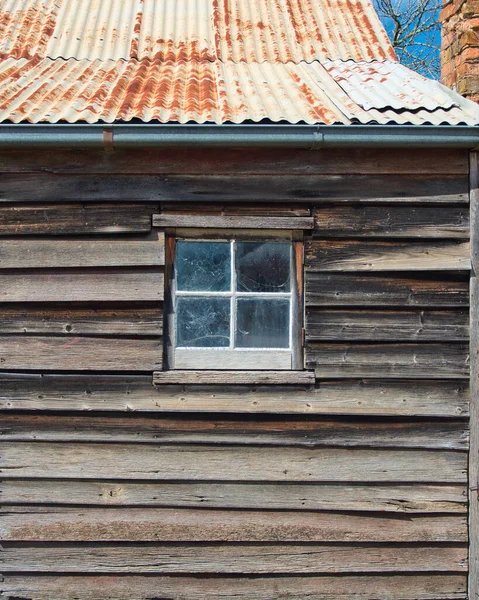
x,y
415,32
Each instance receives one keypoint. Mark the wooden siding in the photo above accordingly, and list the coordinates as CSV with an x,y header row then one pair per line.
x,y
345,481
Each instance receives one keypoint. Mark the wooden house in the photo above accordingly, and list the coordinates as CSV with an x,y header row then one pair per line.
x,y
239,307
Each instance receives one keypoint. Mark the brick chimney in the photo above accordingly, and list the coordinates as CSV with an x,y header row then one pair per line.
x,y
460,47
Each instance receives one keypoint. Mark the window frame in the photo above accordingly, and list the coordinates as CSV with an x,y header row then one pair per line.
x,y
236,359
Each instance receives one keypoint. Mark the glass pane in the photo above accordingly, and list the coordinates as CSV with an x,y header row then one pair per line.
x,y
263,266
203,322
203,266
262,323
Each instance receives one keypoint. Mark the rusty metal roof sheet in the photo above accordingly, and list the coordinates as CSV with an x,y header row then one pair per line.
x,y
70,90
227,30
311,61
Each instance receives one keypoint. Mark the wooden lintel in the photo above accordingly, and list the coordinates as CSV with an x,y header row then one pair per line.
x,y
233,222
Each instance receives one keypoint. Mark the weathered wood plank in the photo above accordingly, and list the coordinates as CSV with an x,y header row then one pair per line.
x,y
132,321
75,219
387,325
365,289
474,419
406,498
257,559
234,377
73,353
275,431
81,285
441,361
228,222
67,524
95,251
391,222
109,587
236,161
47,187
119,393
250,209
371,255
228,463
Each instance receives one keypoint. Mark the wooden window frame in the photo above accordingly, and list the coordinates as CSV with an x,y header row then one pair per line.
x,y
227,359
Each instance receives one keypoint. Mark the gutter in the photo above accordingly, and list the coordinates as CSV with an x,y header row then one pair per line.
x,y
313,137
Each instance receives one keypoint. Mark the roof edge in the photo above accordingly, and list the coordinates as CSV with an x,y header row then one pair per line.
x,y
313,137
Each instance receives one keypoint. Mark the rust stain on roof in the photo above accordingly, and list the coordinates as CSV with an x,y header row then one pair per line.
x,y
311,61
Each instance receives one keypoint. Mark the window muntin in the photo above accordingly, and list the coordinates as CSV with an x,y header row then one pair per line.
x,y
233,302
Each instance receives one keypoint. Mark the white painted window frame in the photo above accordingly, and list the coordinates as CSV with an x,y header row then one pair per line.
x,y
232,358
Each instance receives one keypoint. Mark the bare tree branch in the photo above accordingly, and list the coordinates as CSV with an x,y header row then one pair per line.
x,y
414,29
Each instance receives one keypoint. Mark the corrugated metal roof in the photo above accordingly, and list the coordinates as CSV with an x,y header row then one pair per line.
x,y
312,61
228,30
54,90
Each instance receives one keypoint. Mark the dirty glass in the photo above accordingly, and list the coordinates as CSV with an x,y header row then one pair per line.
x,y
203,266
262,323
263,266
203,322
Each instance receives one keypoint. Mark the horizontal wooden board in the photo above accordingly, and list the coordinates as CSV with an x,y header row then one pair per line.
x,y
249,209
94,251
48,187
406,498
120,393
234,377
73,353
71,460
330,360
257,559
365,289
67,524
387,325
229,222
391,222
82,285
75,219
427,161
54,320
358,255
346,587
265,431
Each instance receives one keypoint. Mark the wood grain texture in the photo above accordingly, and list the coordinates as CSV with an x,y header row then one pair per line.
x,y
388,222
73,353
347,587
228,559
265,431
249,209
54,524
75,219
229,222
355,255
71,460
71,320
393,498
81,285
135,393
438,361
94,251
260,161
474,419
392,289
48,187
234,377
387,325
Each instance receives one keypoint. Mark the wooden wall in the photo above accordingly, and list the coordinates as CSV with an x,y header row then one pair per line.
x,y
353,487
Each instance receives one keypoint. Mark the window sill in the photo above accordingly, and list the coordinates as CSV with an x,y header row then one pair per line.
x,y
205,377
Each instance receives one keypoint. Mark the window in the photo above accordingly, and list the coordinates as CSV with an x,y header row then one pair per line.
x,y
234,302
